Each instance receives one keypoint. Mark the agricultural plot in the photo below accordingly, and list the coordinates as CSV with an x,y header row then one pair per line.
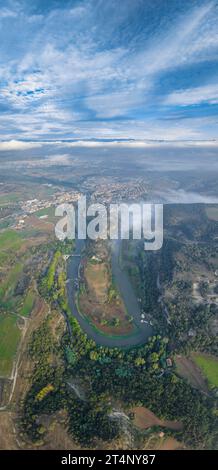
x,y
28,304
10,240
100,302
188,369
145,419
209,367
9,340
9,198
48,212
11,243
11,279
97,276
7,300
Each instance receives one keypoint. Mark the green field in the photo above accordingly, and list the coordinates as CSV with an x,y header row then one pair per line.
x,y
5,224
9,238
10,241
9,198
49,211
29,191
28,304
209,367
9,340
10,282
45,211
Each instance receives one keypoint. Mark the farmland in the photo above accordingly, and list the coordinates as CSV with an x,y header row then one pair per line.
x,y
188,369
145,419
28,304
100,301
209,367
7,287
9,241
17,296
9,340
166,402
6,199
49,211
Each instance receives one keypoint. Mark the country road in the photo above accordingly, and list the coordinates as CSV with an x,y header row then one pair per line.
x,y
143,331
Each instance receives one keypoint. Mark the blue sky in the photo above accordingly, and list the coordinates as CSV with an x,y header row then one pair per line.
x,y
108,69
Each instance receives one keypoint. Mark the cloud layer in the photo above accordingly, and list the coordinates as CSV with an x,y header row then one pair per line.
x,y
105,69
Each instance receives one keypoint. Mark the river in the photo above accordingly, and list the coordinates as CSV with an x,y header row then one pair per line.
x,y
143,331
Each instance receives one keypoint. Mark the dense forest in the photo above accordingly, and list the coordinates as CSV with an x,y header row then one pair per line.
x,y
188,324
135,376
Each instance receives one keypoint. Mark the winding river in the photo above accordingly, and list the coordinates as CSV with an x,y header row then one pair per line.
x,y
143,330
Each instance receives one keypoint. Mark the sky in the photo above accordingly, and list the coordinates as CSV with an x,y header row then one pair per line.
x,y
108,69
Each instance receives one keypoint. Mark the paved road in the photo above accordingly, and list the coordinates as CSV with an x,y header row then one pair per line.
x,y
123,284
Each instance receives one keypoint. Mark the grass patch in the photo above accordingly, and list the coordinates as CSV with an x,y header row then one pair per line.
x,y
11,280
5,224
209,367
10,240
8,301
28,304
8,199
9,340
10,244
98,279
101,303
49,211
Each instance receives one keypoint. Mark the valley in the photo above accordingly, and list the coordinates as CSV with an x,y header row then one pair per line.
x,y
106,310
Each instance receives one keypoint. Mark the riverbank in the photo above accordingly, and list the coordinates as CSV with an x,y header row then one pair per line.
x,y
142,332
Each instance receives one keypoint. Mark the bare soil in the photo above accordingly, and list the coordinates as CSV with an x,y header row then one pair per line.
x,y
170,444
96,305
189,370
144,419
7,433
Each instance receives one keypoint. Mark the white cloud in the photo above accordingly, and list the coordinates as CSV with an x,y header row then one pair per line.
x,y
58,159
64,158
138,143
192,96
18,145
23,92
177,45
180,196
62,77
7,13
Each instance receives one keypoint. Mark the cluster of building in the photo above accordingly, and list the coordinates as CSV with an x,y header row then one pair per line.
x,y
66,197
32,206
20,223
116,192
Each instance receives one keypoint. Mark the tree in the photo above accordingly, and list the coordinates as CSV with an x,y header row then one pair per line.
x,y
139,361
